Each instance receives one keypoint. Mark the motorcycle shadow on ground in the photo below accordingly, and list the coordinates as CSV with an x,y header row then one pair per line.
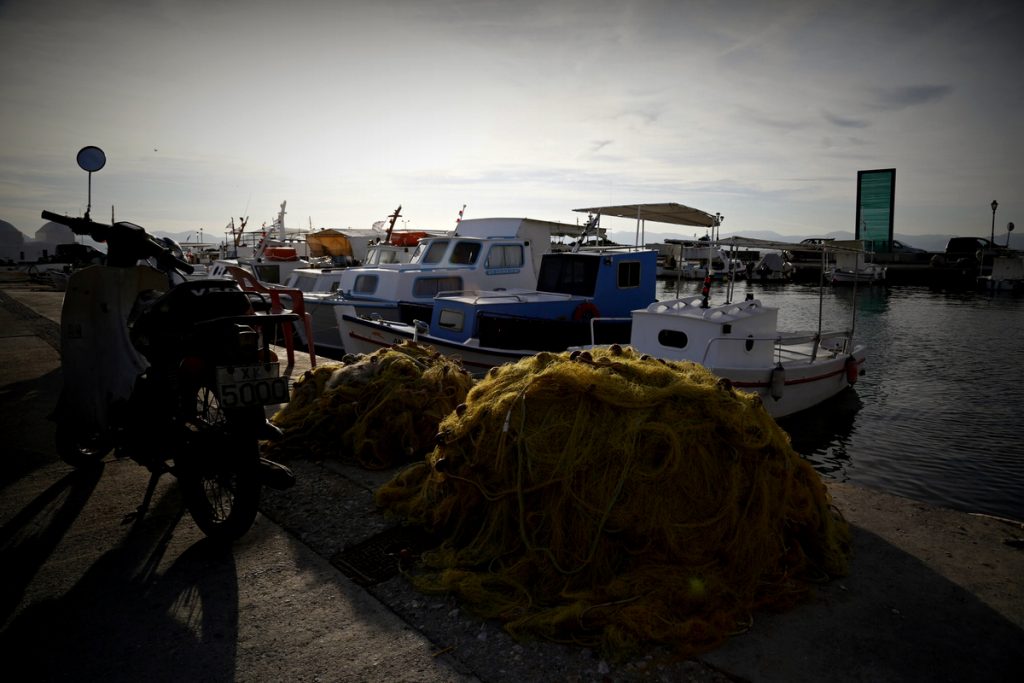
x,y
28,540
126,620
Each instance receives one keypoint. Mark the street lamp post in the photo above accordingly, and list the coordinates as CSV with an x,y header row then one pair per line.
x,y
995,205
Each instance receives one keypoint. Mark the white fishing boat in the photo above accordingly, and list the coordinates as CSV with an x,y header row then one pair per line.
x,y
271,254
741,342
790,371
853,264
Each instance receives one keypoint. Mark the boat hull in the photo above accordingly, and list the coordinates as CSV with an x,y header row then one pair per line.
x,y
803,385
360,335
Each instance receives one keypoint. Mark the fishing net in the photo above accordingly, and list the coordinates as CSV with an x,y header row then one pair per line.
x,y
611,499
377,410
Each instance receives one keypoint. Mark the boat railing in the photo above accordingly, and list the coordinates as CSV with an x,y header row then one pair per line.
x,y
792,344
594,322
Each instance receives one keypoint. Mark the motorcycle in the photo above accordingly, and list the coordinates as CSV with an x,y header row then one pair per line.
x,y
174,373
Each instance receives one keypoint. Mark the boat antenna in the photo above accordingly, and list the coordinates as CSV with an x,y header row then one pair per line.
x,y
459,219
821,298
853,319
391,226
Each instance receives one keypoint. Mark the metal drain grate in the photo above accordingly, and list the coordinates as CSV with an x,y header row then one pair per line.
x,y
378,558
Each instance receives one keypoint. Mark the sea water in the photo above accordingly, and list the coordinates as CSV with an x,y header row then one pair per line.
x,y
939,415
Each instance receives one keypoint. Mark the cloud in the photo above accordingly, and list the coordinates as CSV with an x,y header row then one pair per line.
x,y
597,145
894,99
843,122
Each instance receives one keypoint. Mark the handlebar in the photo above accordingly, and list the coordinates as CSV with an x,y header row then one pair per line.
x,y
127,243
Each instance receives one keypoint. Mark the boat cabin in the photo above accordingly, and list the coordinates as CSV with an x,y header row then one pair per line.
x,y
485,253
572,290
736,335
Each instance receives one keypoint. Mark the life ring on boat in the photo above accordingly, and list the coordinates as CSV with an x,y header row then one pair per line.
x,y
586,311
852,371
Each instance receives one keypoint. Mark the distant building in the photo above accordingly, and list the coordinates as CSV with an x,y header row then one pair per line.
x,y
16,247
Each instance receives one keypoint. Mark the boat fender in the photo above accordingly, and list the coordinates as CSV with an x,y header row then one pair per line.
x,y
777,382
586,311
851,370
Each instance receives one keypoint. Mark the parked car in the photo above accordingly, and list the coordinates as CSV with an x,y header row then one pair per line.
x,y
900,248
966,254
809,254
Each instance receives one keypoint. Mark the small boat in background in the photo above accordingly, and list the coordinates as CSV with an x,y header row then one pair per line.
x,y
773,267
1006,274
853,264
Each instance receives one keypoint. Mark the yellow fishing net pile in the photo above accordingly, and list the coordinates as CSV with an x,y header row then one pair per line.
x,y
613,500
377,410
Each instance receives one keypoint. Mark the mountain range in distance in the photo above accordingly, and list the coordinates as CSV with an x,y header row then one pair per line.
x,y
930,243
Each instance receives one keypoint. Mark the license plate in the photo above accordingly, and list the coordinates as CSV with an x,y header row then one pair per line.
x,y
251,385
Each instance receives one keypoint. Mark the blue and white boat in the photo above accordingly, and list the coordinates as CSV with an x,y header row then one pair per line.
x,y
480,254
578,295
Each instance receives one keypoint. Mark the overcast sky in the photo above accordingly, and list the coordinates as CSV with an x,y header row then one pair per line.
x,y
762,111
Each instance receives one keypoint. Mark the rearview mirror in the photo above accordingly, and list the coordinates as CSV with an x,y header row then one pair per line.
x,y
91,159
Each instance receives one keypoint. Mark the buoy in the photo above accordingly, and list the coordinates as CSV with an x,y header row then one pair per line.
x,y
777,382
586,311
851,370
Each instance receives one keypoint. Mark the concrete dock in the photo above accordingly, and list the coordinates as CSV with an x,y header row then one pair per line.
x,y
932,595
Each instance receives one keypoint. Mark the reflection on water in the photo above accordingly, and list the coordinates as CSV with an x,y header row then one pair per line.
x,y
937,417
822,433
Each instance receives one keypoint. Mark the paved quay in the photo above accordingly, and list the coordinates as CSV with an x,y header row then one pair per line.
x,y
932,595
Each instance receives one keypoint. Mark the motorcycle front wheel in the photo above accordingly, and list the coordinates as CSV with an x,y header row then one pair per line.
x,y
219,478
78,449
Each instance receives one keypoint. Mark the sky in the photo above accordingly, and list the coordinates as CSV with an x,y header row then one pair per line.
x,y
211,110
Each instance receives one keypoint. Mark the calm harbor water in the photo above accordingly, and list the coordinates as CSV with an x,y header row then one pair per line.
x,y
938,416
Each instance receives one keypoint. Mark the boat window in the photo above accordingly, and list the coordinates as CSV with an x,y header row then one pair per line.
x,y
504,256
435,252
268,273
629,274
304,282
465,252
428,287
365,284
673,338
451,319
568,274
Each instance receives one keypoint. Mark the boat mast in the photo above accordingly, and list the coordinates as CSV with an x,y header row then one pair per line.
x,y
279,223
391,226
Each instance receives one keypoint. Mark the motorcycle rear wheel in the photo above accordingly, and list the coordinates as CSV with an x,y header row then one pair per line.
x,y
220,484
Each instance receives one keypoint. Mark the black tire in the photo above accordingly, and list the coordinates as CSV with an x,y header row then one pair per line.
x,y
219,476
80,450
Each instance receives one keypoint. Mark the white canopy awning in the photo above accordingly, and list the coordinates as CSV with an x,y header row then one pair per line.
x,y
668,212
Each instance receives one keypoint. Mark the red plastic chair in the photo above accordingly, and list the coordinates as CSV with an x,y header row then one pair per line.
x,y
249,283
